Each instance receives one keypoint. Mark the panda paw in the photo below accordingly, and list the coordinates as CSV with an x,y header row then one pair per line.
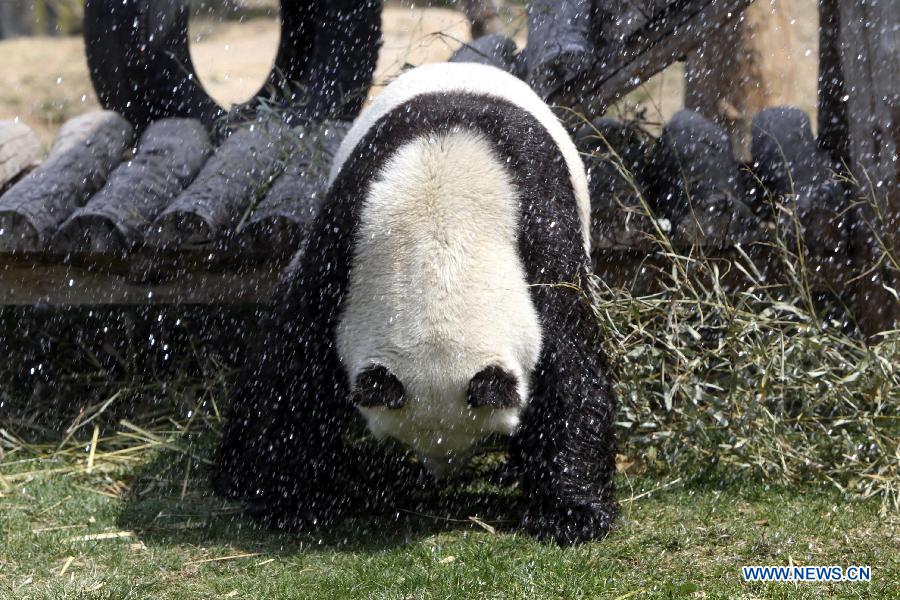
x,y
567,525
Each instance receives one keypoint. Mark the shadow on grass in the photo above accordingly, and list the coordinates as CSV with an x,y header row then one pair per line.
x,y
171,503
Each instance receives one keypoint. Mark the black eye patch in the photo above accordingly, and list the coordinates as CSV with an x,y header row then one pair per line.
x,y
493,387
376,386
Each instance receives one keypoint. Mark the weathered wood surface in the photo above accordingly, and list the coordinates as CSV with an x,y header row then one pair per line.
x,y
628,59
169,155
694,182
614,21
859,122
256,197
484,17
798,174
616,156
644,272
869,35
746,66
560,46
495,50
20,151
280,222
26,280
222,195
832,104
87,149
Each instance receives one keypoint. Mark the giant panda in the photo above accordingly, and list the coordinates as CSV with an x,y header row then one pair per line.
x,y
441,296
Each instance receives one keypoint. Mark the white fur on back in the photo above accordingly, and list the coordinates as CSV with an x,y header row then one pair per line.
x,y
477,79
437,292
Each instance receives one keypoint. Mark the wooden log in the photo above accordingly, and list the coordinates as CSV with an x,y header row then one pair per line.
x,y
494,50
23,281
790,165
86,150
559,43
20,151
694,182
280,222
230,183
859,123
832,104
617,67
169,155
614,22
284,217
870,68
742,69
484,17
16,18
615,156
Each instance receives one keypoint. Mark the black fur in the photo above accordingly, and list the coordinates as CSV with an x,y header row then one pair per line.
x,y
376,386
493,387
283,447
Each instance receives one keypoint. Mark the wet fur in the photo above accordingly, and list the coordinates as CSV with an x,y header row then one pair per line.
x,y
284,449
438,292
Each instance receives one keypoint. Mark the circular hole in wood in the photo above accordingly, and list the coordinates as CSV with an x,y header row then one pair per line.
x,y
233,44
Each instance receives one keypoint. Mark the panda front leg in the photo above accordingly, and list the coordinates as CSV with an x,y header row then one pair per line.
x,y
565,447
305,463
282,450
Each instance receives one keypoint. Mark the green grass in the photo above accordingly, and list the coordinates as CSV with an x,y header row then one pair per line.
x,y
672,541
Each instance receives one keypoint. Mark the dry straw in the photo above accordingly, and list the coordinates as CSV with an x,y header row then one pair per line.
x,y
759,384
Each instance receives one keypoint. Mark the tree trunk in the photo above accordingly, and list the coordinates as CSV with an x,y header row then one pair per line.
x,y
743,68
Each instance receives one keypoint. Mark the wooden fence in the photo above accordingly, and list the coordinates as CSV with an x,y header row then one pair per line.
x,y
183,220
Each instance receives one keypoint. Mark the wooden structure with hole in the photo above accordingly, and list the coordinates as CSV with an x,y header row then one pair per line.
x,y
159,210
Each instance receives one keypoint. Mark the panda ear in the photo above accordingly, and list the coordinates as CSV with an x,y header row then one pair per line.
x,y
377,386
494,387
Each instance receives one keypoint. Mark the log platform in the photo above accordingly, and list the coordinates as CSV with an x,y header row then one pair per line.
x,y
167,218
164,219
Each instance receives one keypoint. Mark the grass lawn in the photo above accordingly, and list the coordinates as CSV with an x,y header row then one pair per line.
x,y
142,524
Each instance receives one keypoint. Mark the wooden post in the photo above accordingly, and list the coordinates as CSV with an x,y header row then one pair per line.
x,y
86,150
16,18
832,105
281,221
859,121
743,68
226,189
586,70
169,155
20,151
484,17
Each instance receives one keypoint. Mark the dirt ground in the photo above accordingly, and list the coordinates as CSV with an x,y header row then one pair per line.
x,y
44,81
